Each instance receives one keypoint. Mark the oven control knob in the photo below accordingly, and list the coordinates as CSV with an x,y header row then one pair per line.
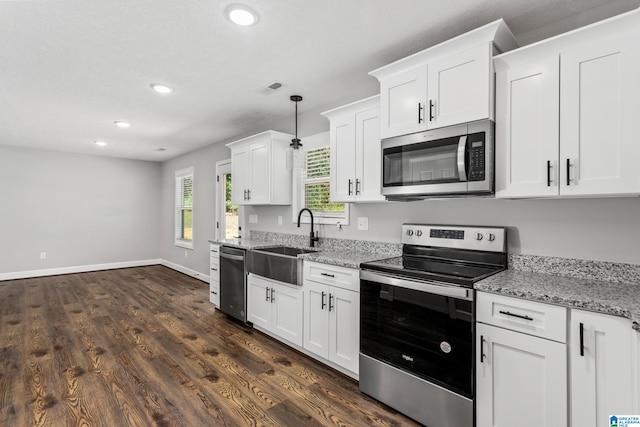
x,y
478,236
419,233
409,232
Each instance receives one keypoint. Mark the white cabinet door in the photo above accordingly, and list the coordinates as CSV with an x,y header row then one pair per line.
x,y
521,380
260,179
240,171
343,158
316,319
459,88
259,301
601,380
403,100
527,129
287,313
599,113
368,158
344,328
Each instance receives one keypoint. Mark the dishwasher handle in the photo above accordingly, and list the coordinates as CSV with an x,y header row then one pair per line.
x,y
232,257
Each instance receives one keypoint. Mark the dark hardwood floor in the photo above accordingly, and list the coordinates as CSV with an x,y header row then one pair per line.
x,y
144,347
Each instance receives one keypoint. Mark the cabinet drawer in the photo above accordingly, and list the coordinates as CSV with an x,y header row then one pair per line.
x,y
214,249
347,278
520,315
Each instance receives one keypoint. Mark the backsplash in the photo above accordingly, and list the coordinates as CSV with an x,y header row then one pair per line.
x,y
327,243
578,268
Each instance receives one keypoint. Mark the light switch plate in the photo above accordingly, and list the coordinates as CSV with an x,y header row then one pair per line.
x,y
363,223
253,219
279,219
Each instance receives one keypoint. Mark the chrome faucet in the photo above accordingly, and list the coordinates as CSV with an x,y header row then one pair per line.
x,y
312,236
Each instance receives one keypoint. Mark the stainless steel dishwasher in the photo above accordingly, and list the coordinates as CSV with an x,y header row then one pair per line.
x,y
233,286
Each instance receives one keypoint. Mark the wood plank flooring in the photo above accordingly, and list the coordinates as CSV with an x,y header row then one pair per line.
x,y
144,347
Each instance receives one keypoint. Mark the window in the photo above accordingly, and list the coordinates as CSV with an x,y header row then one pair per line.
x,y
313,191
184,208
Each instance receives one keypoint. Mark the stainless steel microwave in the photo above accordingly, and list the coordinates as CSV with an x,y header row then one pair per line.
x,y
448,162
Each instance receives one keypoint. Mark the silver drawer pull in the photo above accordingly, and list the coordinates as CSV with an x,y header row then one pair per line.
x,y
214,269
519,316
327,274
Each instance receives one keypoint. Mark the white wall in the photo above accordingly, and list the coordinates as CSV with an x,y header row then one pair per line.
x,y
204,202
81,210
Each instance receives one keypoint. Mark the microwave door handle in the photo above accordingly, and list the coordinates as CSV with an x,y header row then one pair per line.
x,y
462,167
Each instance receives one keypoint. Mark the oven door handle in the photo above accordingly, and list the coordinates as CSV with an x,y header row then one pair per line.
x,y
422,285
462,165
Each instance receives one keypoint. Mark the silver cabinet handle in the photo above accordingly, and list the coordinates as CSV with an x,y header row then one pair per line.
x,y
273,291
267,289
323,303
327,274
357,186
569,171
431,105
331,306
420,108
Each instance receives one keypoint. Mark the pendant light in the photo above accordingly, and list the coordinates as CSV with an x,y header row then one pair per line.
x,y
295,143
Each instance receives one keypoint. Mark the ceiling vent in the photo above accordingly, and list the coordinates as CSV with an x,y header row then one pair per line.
x,y
271,88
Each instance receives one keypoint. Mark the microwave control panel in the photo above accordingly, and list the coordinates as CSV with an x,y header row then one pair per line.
x,y
476,157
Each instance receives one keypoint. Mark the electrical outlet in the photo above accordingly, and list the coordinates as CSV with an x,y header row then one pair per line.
x,y
279,219
253,219
43,255
363,223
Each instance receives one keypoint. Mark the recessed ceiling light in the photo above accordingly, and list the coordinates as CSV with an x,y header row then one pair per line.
x,y
100,143
121,124
160,88
241,15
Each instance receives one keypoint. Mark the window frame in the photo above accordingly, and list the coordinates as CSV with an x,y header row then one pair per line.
x,y
299,159
180,175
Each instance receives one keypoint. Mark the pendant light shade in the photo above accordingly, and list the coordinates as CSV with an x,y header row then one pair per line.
x,y
295,143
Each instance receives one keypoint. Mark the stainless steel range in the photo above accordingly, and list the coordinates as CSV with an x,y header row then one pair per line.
x,y
417,321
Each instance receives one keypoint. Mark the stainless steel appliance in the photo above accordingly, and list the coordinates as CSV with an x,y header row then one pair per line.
x,y
233,286
417,321
452,161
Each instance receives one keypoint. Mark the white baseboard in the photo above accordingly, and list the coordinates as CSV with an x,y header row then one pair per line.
x,y
77,269
185,270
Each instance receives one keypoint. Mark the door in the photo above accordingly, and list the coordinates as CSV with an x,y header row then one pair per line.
x,y
287,313
316,319
601,366
528,130
343,158
599,113
459,88
521,379
344,328
227,214
402,103
259,301
368,156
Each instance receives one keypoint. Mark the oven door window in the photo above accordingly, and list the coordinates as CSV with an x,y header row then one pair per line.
x,y
427,335
422,163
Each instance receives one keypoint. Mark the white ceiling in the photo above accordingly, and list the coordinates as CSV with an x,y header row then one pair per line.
x,y
69,69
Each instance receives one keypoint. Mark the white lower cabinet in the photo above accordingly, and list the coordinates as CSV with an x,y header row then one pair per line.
x,y
275,307
214,274
600,356
332,314
521,376
522,379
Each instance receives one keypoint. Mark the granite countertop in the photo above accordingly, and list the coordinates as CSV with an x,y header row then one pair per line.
x,y
339,257
616,298
343,258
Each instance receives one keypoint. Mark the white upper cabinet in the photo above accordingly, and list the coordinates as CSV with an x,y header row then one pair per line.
x,y
460,88
447,84
565,113
355,152
259,170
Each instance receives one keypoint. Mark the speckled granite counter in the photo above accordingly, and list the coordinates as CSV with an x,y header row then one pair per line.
x,y
610,297
343,258
344,255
